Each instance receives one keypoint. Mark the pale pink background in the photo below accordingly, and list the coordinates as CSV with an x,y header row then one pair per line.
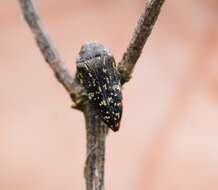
x,y
169,133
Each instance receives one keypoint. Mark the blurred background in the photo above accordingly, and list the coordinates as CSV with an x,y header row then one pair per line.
x,y
168,136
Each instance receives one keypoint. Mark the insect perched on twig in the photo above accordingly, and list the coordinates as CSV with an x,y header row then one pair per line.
x,y
97,72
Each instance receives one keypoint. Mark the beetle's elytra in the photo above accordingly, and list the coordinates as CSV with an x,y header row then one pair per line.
x,y
97,72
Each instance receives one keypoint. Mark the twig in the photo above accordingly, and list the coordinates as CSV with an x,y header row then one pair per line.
x,y
140,36
96,129
48,50
95,159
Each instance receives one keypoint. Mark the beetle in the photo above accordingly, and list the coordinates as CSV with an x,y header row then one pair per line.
x,y
98,74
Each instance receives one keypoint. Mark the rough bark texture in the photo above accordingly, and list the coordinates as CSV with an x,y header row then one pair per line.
x,y
142,31
48,50
96,137
96,129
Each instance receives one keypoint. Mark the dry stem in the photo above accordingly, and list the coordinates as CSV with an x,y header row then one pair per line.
x,y
142,31
96,129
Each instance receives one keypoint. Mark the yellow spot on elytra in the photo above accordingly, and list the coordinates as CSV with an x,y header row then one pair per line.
x,y
114,64
91,94
105,86
103,103
86,67
116,87
99,88
117,114
109,99
104,60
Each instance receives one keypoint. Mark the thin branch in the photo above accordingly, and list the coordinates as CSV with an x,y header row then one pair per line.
x,y
48,50
96,138
140,36
95,128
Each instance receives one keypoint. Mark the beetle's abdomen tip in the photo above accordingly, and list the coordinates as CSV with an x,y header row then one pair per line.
x,y
115,129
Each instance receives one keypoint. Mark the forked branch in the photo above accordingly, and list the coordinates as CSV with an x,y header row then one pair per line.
x,y
96,129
